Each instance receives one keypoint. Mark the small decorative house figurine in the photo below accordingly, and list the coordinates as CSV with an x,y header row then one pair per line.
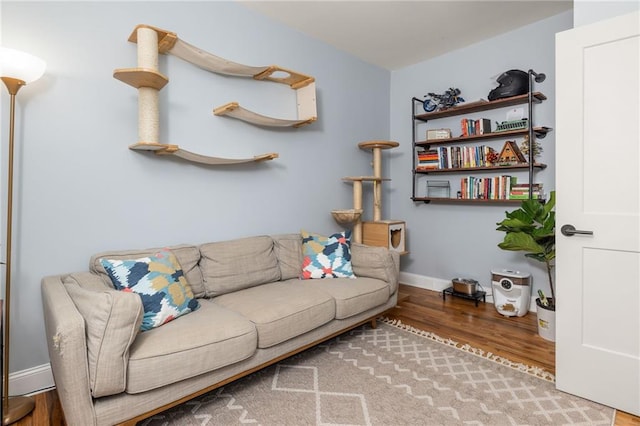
x,y
511,154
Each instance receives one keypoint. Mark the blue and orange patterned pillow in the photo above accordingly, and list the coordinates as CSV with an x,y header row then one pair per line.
x,y
160,283
326,257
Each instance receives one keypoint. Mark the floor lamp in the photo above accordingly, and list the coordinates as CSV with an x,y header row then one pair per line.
x,y
16,70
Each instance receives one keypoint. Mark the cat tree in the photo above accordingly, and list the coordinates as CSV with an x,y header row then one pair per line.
x,y
380,232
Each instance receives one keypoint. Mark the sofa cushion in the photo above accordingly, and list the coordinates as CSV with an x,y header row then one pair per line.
x,y
207,339
112,322
288,249
188,257
159,281
352,296
281,310
237,264
326,257
376,262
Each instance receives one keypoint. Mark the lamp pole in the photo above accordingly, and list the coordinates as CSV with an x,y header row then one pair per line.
x,y
14,408
16,70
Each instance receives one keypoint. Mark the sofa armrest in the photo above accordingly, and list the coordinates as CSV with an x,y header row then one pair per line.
x,y
66,341
376,262
112,321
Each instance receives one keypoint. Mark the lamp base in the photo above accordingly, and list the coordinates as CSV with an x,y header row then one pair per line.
x,y
17,407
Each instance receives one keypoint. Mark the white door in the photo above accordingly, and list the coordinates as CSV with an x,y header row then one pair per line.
x,y
598,190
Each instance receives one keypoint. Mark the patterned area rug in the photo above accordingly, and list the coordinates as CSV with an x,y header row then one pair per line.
x,y
391,375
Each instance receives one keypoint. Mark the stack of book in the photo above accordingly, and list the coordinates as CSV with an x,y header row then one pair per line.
x,y
520,191
490,188
455,157
428,160
471,127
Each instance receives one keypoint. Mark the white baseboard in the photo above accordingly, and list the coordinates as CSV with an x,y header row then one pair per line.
x,y
31,381
421,281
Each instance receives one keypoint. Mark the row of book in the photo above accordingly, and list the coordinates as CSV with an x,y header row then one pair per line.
x,y
470,127
497,188
520,191
455,157
428,160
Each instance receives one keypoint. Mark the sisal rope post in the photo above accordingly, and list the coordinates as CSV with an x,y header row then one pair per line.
x,y
148,97
377,186
357,204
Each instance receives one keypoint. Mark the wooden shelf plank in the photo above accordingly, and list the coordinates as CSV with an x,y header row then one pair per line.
x,y
463,200
482,169
539,131
378,144
153,146
141,77
166,39
481,106
277,74
364,179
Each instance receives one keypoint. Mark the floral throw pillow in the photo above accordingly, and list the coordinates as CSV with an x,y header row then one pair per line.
x,y
160,283
326,257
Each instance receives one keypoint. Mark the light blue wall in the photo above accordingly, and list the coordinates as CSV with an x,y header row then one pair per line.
x,y
449,240
589,11
81,191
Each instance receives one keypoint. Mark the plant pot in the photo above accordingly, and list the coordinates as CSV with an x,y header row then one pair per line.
x,y
546,321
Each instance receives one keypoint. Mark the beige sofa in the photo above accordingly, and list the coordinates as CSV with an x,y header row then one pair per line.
x,y
254,311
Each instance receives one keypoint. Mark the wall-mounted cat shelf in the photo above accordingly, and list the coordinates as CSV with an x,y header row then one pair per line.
x,y
149,81
175,150
304,85
233,109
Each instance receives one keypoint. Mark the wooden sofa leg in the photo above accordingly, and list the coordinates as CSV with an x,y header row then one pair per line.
x,y
374,324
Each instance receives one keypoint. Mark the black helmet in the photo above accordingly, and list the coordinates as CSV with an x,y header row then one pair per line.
x,y
511,83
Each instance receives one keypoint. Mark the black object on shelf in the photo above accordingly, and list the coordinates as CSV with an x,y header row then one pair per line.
x,y
475,296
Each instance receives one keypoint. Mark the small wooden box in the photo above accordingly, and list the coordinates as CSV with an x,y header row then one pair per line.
x,y
385,233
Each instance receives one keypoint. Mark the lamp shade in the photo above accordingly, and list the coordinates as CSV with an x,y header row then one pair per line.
x,y
20,65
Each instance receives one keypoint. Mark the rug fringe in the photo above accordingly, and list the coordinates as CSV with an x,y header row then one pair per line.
x,y
529,369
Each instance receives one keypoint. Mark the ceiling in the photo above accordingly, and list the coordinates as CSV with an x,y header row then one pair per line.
x,y
394,34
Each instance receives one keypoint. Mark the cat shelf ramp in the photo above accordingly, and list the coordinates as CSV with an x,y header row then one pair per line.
x,y
176,151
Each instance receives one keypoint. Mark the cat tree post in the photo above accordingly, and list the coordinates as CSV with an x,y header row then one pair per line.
x,y
352,217
148,105
357,205
376,148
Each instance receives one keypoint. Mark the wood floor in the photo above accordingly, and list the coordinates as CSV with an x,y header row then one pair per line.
x,y
458,319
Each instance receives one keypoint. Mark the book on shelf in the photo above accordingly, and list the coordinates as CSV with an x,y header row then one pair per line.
x,y
428,160
457,157
521,191
486,188
473,127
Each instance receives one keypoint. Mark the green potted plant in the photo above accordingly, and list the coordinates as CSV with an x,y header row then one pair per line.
x,y
531,228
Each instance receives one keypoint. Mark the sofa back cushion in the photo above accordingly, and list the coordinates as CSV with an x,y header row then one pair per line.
x,y
187,255
288,249
112,322
376,262
242,263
